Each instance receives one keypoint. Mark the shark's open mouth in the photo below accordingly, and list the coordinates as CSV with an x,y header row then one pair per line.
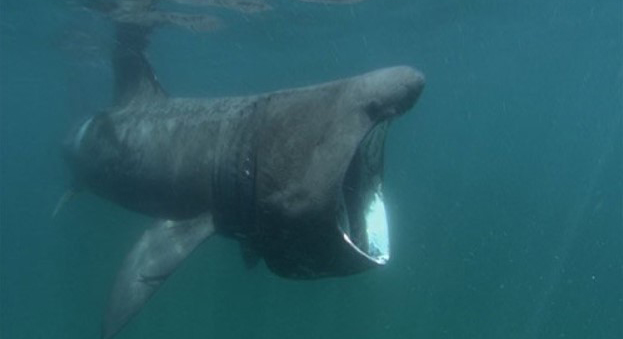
x,y
363,221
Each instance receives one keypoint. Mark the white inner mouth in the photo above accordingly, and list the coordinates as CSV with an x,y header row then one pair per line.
x,y
363,219
376,230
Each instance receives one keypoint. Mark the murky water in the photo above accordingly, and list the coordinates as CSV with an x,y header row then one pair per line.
x,y
504,184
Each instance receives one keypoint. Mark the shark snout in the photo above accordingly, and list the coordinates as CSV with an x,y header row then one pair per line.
x,y
391,91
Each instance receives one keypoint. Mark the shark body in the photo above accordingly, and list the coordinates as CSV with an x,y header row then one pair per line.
x,y
294,175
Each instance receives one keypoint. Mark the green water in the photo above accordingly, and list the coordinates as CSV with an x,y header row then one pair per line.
x,y
504,183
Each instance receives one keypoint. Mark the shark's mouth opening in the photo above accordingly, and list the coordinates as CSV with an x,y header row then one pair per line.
x,y
362,219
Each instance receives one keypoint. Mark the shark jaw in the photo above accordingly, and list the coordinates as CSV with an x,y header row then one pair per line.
x,y
362,217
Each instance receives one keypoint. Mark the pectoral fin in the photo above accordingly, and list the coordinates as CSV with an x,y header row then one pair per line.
x,y
156,255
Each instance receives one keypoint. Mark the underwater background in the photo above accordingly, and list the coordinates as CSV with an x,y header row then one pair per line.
x,y
504,183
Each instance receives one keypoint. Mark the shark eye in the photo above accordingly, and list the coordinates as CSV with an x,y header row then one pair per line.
x,y
373,109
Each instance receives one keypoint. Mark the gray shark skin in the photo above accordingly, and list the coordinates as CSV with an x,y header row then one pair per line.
x,y
294,175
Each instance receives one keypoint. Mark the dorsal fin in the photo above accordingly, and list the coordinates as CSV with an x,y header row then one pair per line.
x,y
134,21
134,76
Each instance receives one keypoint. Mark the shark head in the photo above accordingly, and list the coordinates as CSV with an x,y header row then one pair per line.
x,y
319,185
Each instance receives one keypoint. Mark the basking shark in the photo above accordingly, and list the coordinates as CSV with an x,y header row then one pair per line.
x,y
296,176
